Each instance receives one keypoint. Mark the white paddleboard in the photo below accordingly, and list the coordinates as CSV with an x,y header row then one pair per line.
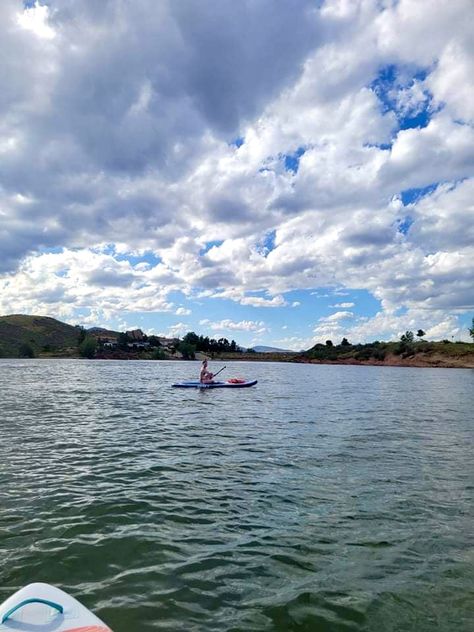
x,y
44,608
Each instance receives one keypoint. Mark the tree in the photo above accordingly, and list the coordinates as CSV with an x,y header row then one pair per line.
x,y
26,351
407,337
81,334
187,350
345,343
88,347
471,330
191,338
329,343
158,354
420,333
122,341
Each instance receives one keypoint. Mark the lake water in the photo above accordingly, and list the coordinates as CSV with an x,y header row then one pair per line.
x,y
326,498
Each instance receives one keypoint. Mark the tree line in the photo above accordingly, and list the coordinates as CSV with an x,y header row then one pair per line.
x,y
192,343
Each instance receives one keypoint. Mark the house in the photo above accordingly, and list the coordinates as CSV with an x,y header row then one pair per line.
x,y
138,345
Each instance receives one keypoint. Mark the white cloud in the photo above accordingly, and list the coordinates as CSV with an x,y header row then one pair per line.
x,y
176,331
230,325
182,311
336,317
70,280
384,326
129,110
452,82
35,19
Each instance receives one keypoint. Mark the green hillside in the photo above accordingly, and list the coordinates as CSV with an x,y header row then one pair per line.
x,y
41,334
401,353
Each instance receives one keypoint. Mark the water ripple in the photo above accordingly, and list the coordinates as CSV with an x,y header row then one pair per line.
x,y
341,501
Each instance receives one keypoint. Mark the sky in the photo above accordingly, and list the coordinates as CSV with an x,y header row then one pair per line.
x,y
277,173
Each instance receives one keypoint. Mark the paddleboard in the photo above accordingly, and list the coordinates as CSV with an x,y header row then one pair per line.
x,y
43,608
197,384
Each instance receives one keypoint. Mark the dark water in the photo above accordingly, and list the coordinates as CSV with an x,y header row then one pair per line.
x,y
326,498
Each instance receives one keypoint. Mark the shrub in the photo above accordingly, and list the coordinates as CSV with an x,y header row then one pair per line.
x,y
26,350
400,348
379,354
370,351
187,350
364,354
158,354
88,347
320,352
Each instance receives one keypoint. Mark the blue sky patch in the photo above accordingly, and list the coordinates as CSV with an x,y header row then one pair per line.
x,y
54,250
210,244
410,196
267,244
420,119
238,142
404,224
390,83
401,311
292,161
384,85
148,257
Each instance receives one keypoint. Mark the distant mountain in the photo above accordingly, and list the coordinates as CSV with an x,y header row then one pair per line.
x,y
20,333
264,349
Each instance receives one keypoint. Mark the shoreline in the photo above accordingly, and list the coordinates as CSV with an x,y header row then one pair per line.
x,y
432,361
435,363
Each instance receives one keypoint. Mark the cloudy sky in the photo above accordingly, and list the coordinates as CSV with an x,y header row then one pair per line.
x,y
277,172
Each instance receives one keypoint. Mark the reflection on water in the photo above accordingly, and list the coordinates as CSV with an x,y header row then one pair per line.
x,y
325,498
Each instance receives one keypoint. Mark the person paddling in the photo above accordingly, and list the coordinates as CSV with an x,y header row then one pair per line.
x,y
205,376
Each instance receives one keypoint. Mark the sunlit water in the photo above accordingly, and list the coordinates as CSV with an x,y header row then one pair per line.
x,y
325,498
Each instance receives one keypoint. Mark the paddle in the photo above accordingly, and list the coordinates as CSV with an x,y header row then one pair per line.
x,y
218,371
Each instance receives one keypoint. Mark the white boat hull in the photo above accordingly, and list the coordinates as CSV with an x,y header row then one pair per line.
x,y
43,608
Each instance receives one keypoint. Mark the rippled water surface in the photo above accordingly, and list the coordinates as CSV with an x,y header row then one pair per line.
x,y
325,498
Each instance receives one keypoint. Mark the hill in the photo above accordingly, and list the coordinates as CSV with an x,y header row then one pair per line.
x,y
418,354
41,334
265,349
101,332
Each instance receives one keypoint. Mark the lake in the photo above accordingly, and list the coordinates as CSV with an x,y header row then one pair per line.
x,y
326,498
